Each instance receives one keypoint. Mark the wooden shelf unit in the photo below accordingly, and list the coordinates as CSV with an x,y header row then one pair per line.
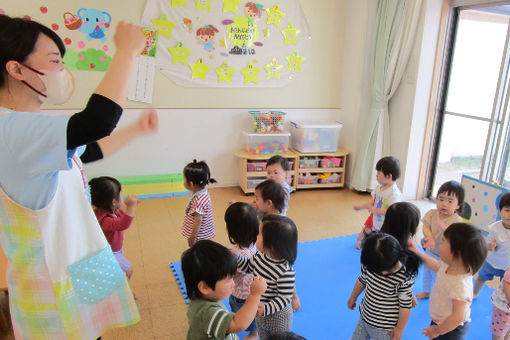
x,y
340,153
244,157
292,155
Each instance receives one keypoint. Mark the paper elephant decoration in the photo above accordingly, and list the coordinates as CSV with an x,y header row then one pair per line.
x,y
94,23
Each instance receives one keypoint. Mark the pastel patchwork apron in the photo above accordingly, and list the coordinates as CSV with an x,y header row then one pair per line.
x,y
63,280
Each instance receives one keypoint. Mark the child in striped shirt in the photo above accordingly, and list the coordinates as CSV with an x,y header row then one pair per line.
x,y
242,228
277,245
387,276
198,219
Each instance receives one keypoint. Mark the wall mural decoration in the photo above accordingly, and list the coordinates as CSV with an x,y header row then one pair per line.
x,y
83,30
229,43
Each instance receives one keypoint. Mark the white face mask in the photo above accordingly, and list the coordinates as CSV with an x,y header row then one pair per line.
x,y
59,86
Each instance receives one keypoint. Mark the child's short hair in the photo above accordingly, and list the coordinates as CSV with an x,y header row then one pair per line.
x,y
381,252
468,243
206,261
285,336
103,190
453,188
401,221
198,173
389,166
271,190
242,224
504,201
280,236
277,159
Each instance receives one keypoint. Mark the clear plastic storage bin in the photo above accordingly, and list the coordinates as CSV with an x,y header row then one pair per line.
x,y
266,143
313,137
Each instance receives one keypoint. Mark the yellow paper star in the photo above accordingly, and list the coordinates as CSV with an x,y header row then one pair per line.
x,y
295,61
225,72
166,25
230,5
274,15
176,3
290,34
273,69
179,53
267,32
203,4
199,69
250,74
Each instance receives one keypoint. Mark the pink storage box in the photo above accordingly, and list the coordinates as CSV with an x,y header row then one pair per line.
x,y
256,166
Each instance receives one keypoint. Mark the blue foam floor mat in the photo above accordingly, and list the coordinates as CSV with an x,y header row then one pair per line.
x,y
326,271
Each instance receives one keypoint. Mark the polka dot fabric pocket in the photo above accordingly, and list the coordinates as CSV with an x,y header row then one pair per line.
x,y
96,277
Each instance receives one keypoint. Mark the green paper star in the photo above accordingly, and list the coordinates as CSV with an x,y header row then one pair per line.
x,y
179,53
295,61
273,69
199,69
290,34
267,32
250,74
203,4
225,72
176,3
166,25
230,5
274,15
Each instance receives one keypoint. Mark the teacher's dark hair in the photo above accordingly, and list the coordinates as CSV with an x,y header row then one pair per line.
x,y
17,40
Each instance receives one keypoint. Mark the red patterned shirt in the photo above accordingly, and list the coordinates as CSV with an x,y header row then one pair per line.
x,y
200,203
243,280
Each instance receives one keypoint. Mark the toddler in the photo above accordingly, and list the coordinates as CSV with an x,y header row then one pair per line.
x,y
198,218
113,217
449,200
384,195
387,276
242,228
462,252
401,221
500,325
498,243
277,168
269,198
277,245
208,268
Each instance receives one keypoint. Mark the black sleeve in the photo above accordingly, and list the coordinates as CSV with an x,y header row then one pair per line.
x,y
96,121
92,153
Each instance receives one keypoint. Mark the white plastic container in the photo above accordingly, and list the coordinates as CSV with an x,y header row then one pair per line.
x,y
313,137
266,143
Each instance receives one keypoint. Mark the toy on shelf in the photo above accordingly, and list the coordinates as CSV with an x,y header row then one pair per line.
x,y
267,122
307,179
265,148
265,143
331,162
323,178
334,178
309,162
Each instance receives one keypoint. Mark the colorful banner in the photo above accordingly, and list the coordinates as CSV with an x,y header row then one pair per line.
x,y
229,43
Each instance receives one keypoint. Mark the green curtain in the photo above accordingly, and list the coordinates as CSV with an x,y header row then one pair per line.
x,y
394,32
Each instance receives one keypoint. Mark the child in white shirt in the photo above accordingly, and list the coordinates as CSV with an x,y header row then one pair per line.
x,y
498,243
384,195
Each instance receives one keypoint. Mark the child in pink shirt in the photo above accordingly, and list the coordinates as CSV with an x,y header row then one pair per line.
x,y
242,228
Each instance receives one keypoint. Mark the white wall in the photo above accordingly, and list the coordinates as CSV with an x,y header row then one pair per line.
x,y
212,135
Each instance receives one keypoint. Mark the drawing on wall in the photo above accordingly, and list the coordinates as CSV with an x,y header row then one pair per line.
x,y
84,32
248,43
482,201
